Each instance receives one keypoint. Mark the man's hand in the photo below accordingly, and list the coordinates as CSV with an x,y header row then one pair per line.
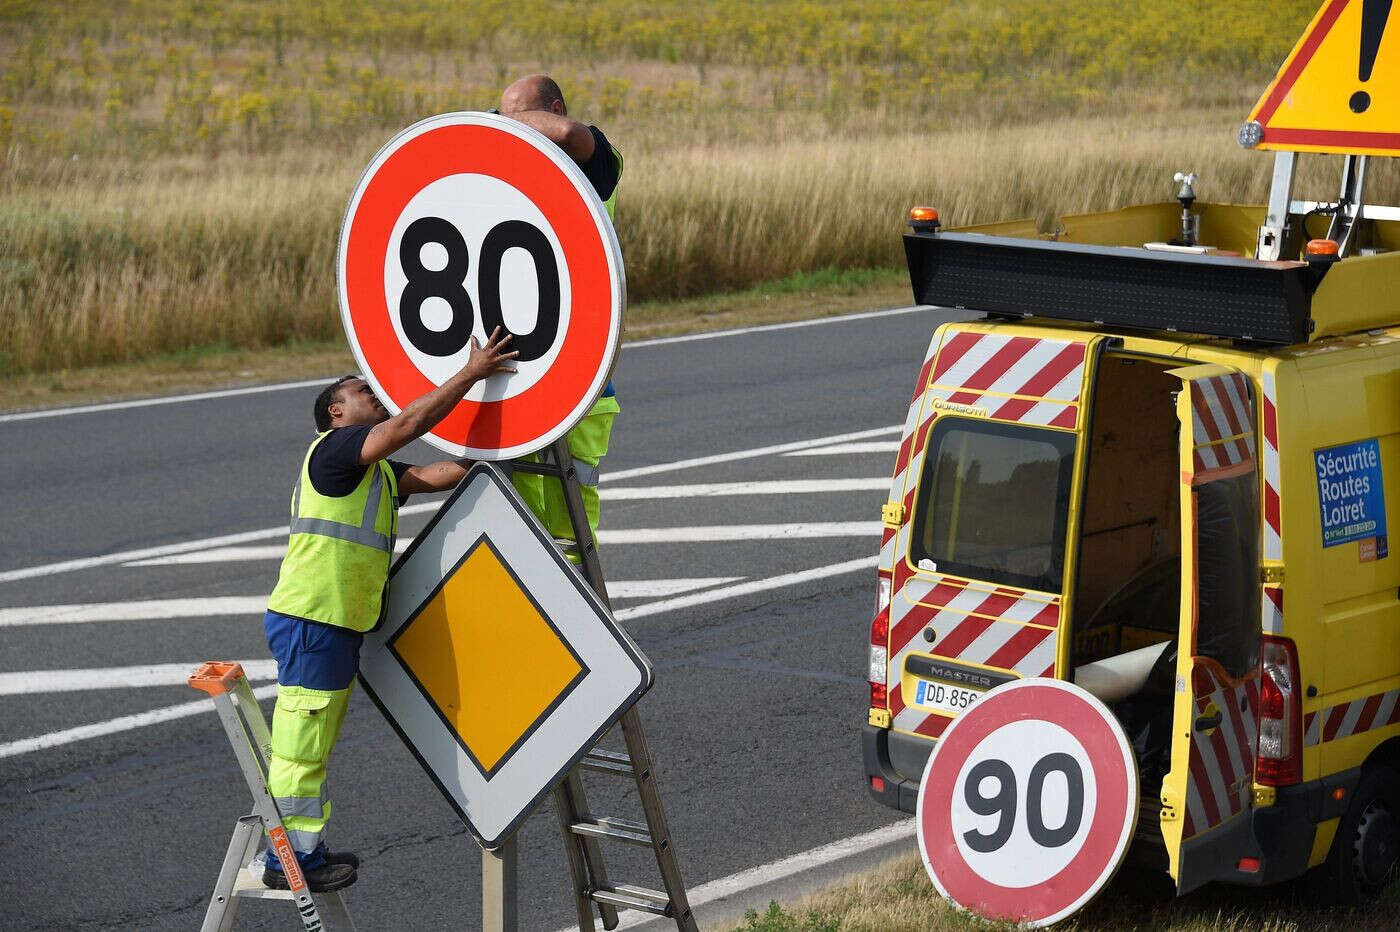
x,y
424,413
487,360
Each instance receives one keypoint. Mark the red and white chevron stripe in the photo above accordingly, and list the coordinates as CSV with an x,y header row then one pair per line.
x,y
1273,483
1221,761
1345,719
1013,378
1223,426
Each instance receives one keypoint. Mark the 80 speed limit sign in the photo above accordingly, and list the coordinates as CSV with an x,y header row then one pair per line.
x,y
462,223
1028,803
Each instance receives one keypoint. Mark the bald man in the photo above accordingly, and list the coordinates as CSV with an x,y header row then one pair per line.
x,y
537,101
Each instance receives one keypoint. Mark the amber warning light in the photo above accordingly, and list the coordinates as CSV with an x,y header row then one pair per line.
x,y
923,219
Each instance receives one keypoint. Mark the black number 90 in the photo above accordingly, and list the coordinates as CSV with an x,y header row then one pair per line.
x,y
1002,803
448,283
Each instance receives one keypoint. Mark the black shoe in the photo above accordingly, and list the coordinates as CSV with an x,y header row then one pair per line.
x,y
343,857
321,879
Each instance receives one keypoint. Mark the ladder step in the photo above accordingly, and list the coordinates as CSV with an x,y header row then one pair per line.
x,y
612,762
627,896
635,833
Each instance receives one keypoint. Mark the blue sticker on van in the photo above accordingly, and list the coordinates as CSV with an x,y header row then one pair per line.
x,y
1351,494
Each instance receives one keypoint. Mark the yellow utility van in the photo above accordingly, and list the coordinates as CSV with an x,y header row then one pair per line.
x,y
1160,469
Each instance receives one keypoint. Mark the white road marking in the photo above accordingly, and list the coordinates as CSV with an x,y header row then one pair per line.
x,y
151,674
282,386
167,400
716,532
156,716
222,555
781,869
230,540
147,610
747,588
116,725
747,454
221,606
715,489
869,446
127,556
791,325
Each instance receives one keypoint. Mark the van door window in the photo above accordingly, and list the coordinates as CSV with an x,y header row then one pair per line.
x,y
1227,573
993,503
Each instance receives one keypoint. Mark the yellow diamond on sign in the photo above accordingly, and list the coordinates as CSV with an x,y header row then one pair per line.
x,y
487,659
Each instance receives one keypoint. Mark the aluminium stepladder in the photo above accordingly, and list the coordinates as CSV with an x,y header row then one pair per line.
x,y
580,828
252,745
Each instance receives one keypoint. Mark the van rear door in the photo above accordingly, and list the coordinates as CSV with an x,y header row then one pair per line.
x,y
984,504
1207,794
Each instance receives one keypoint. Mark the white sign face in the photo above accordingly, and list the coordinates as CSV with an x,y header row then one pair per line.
x,y
1028,803
495,662
462,223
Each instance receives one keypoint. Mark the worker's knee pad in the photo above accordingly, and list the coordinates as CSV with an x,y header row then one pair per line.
x,y
304,724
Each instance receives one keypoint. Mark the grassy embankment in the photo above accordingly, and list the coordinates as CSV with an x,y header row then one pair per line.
x,y
174,173
898,897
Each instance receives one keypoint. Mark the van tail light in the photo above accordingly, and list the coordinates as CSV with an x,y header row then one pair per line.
x,y
879,646
1280,759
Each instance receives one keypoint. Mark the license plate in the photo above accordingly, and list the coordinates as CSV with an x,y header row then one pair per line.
x,y
944,697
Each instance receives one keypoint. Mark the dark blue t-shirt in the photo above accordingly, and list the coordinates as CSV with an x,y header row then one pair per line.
x,y
335,463
602,169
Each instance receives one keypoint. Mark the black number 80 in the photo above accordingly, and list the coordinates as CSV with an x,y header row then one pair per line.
x,y
448,283
1003,803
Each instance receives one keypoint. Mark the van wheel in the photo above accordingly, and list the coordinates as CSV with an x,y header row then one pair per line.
x,y
1364,855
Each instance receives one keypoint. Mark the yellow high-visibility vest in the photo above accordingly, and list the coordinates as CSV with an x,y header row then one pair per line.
x,y
338,556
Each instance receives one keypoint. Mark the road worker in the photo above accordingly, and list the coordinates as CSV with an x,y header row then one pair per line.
x,y
332,584
537,101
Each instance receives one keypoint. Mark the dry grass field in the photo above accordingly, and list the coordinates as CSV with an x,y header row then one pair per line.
x,y
898,897
173,172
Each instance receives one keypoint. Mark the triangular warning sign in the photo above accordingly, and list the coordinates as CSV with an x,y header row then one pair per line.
x,y
1339,90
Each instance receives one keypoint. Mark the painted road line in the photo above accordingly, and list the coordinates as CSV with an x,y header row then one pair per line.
x,y
799,578
128,556
748,454
228,540
146,610
116,725
30,682
717,532
167,400
790,325
224,606
869,446
156,716
790,866
283,386
717,489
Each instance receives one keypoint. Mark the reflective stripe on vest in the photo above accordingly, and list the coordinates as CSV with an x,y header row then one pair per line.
x,y
338,555
306,807
362,534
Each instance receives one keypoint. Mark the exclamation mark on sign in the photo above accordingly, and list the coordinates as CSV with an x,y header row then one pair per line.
x,y
1374,14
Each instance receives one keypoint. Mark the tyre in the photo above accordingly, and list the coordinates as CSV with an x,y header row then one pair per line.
x,y
1364,855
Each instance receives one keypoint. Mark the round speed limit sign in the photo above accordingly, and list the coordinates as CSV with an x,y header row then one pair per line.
x,y
462,223
1028,803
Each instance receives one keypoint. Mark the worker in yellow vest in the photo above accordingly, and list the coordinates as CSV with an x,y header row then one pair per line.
x,y
331,586
537,101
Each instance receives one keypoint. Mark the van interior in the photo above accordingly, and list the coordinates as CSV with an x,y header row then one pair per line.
x,y
1127,587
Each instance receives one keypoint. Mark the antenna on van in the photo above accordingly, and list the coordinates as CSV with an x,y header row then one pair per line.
x,y
1190,223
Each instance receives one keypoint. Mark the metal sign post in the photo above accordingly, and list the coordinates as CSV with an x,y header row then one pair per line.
x,y
499,887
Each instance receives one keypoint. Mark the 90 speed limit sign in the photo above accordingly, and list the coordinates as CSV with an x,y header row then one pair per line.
x,y
1028,803
462,223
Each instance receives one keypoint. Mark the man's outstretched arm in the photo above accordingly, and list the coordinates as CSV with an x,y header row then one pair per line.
x,y
422,415
566,133
434,477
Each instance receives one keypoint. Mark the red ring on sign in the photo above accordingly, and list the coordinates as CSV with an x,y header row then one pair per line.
x,y
458,149
1095,857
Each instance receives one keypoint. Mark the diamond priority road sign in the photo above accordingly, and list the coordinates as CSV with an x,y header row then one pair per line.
x,y
495,662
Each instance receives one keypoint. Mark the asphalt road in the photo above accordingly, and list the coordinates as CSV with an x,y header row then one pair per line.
x,y
760,690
